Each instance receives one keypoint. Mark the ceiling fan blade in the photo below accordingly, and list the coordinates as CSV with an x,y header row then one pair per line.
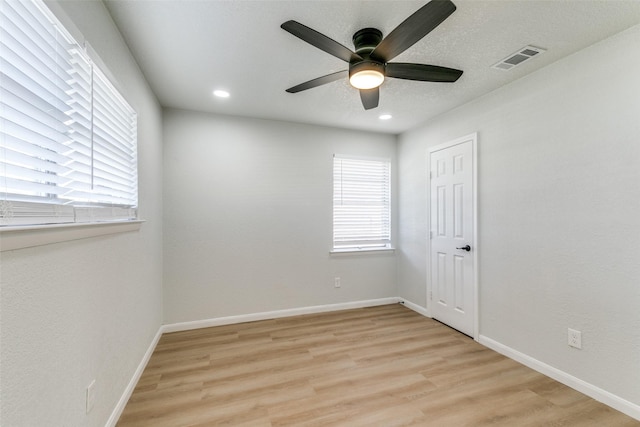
x,y
319,81
412,29
370,98
422,72
320,41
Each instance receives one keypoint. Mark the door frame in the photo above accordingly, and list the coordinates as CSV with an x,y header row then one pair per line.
x,y
473,137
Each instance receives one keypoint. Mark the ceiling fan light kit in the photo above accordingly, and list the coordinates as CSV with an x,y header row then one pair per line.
x,y
366,75
369,65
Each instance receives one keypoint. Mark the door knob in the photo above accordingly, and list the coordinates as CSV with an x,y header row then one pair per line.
x,y
465,248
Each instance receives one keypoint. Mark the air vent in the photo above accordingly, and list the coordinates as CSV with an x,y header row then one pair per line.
x,y
518,57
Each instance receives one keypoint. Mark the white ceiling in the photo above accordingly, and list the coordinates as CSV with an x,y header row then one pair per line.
x,y
188,48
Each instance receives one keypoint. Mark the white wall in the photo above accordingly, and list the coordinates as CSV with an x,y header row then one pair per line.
x,y
248,208
87,309
247,229
559,203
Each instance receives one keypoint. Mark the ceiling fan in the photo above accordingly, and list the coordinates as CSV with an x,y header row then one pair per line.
x,y
369,64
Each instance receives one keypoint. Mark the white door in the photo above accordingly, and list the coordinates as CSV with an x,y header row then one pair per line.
x,y
452,293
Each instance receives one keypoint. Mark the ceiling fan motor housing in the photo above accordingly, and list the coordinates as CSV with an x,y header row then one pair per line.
x,y
366,65
366,39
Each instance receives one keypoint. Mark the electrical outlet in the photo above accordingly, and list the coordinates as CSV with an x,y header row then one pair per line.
x,y
574,338
336,282
91,395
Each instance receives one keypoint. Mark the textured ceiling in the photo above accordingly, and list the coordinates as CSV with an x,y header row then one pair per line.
x,y
188,48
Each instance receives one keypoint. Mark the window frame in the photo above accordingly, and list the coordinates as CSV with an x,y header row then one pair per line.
x,y
366,246
89,208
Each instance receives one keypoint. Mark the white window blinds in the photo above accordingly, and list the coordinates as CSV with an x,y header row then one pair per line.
x,y
67,138
361,203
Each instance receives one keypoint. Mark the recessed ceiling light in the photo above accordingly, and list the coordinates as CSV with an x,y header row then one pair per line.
x,y
221,93
385,116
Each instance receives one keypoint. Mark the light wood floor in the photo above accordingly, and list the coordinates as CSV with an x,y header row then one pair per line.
x,y
382,366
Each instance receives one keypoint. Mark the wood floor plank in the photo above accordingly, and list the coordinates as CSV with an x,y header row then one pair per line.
x,y
382,366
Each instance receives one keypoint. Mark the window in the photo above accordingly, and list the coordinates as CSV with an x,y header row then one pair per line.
x,y
361,204
67,137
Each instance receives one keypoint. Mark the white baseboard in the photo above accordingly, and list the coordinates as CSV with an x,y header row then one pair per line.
x,y
117,411
584,387
415,307
229,320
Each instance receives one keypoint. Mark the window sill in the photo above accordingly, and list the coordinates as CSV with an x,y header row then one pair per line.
x,y
21,237
368,251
